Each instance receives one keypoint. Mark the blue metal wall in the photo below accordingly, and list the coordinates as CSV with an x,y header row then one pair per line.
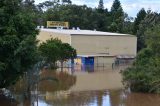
x,y
87,60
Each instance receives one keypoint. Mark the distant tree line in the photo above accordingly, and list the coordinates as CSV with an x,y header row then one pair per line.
x,y
85,17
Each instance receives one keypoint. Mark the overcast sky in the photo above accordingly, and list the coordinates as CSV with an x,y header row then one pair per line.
x,y
129,6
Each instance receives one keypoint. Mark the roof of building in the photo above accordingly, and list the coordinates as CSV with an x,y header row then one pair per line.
x,y
103,55
82,32
96,55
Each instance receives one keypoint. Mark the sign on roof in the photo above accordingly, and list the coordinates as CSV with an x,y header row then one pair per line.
x,y
57,24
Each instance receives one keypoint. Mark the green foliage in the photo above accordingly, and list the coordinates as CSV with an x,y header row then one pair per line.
x,y
137,30
18,49
117,15
127,24
51,4
144,76
49,50
140,17
54,50
116,6
85,18
101,6
67,1
151,20
153,38
46,4
66,52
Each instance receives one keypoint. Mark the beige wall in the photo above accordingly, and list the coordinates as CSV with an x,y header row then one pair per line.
x,y
104,61
44,35
114,45
90,45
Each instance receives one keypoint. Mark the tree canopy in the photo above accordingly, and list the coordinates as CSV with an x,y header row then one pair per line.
x,y
101,6
117,15
54,50
140,17
17,41
144,75
50,51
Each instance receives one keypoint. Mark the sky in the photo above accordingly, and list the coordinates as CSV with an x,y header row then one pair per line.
x,y
131,7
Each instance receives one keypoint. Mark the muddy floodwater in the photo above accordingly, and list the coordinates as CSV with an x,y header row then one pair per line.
x,y
80,88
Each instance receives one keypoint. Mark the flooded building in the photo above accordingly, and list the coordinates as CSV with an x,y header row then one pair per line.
x,y
95,47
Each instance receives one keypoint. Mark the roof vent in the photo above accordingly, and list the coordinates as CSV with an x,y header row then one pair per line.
x,y
73,28
78,28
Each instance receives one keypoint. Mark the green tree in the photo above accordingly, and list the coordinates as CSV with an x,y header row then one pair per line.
x,y
66,1
140,17
138,20
46,5
117,16
144,76
101,6
90,18
49,50
85,18
54,50
149,21
66,52
69,13
18,49
128,24
152,39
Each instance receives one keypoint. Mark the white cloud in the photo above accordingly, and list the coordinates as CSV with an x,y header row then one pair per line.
x,y
39,1
129,6
133,8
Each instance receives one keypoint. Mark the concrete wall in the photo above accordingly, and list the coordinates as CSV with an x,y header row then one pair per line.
x,y
114,45
44,35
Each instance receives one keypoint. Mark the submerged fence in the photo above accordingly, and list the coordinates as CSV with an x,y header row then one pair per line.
x,y
92,68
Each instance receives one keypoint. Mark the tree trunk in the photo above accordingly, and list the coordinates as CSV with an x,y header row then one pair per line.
x,y
61,65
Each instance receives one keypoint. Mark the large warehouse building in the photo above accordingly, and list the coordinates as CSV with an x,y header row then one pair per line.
x,y
95,47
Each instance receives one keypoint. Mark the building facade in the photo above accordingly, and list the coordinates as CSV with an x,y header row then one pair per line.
x,y
95,47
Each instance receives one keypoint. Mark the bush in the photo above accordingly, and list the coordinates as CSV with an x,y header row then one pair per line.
x,y
144,76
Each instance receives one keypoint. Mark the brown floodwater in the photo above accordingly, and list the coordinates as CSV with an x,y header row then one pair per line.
x,y
81,88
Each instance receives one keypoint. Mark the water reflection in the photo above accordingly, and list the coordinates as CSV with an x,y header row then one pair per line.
x,y
59,93
87,98
83,98
141,99
52,82
64,81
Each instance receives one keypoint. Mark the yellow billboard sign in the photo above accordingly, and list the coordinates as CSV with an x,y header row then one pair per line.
x,y
57,24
